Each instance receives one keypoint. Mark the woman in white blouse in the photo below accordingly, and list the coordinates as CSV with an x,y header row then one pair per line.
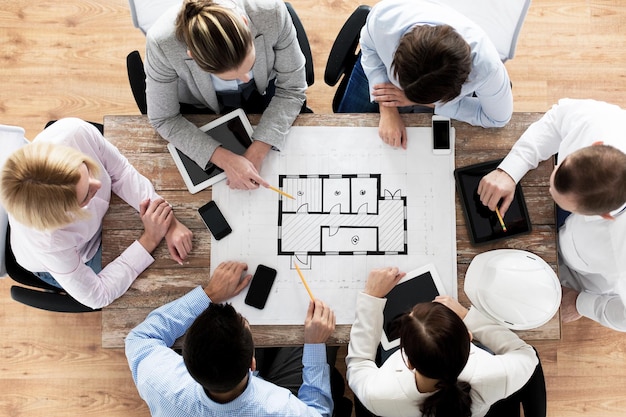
x,y
437,371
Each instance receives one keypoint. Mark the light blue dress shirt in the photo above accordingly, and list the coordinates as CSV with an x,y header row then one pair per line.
x,y
166,386
389,20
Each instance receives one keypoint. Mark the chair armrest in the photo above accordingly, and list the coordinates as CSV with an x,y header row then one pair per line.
x,y
137,80
303,41
342,54
49,301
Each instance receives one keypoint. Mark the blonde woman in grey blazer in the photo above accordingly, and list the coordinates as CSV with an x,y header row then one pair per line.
x,y
208,53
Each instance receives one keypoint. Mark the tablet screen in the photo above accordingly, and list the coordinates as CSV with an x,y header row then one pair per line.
x,y
483,223
233,131
418,286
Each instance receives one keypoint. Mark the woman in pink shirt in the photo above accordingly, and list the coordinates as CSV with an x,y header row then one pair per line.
x,y
57,191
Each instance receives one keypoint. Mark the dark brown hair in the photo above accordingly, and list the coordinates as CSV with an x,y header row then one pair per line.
x,y
437,344
218,348
432,63
596,176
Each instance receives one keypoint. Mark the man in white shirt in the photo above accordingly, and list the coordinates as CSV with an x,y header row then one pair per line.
x,y
590,182
420,54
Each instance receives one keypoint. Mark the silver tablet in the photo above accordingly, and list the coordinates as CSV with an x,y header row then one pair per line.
x,y
233,131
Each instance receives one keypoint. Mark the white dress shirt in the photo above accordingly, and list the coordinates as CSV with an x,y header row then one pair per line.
x,y
63,252
389,20
592,249
391,390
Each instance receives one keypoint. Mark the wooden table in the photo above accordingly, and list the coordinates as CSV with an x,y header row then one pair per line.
x,y
165,280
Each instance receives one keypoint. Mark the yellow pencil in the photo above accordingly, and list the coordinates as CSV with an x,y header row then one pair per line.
x,y
501,220
304,282
281,192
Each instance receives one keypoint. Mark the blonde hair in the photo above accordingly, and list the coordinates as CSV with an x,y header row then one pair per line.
x,y
216,36
38,185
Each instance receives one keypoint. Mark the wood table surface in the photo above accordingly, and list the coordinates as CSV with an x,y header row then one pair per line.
x,y
165,280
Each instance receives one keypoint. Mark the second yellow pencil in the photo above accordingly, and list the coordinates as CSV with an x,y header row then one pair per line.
x,y
308,289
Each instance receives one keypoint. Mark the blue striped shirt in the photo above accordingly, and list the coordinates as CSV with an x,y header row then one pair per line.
x,y
166,386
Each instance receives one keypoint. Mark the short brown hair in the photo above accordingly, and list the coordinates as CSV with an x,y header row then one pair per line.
x,y
38,185
596,176
216,36
432,63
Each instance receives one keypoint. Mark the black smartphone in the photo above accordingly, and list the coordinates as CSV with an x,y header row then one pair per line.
x,y
260,286
214,220
441,135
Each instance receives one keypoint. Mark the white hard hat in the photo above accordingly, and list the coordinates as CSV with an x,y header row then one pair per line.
x,y
515,288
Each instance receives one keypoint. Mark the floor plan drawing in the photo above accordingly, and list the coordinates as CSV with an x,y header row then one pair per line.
x,y
340,215
358,204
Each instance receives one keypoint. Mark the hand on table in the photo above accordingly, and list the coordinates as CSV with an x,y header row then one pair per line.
x,y
391,127
569,312
495,186
178,238
156,217
381,281
319,323
227,281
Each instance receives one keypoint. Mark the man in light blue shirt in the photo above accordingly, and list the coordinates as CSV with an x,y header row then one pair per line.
x,y
215,375
418,54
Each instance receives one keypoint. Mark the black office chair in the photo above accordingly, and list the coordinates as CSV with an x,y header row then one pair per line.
x,y
97,125
343,54
137,75
43,295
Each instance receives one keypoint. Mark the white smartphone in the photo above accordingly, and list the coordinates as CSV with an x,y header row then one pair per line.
x,y
442,137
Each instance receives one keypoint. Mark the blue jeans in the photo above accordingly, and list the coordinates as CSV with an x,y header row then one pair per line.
x,y
356,98
94,263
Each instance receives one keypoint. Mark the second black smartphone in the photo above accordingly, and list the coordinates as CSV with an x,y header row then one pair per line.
x,y
260,286
214,220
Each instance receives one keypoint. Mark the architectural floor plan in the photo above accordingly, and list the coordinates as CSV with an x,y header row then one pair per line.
x,y
358,204
340,215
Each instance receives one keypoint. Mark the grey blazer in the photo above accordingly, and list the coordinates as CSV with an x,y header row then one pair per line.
x,y
172,76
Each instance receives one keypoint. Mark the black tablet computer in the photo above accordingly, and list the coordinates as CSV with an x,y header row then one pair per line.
x,y
233,131
483,224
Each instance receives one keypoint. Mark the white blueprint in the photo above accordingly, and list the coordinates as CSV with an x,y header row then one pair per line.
x,y
359,204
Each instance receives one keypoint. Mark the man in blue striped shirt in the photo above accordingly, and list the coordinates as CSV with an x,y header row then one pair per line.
x,y
216,374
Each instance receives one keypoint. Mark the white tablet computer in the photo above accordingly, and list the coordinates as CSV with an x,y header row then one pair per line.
x,y
233,131
418,286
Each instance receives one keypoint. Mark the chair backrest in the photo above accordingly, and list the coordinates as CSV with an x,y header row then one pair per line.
x,y
145,12
11,138
303,41
501,19
343,54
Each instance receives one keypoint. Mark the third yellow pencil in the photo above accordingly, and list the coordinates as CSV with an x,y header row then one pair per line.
x,y
500,219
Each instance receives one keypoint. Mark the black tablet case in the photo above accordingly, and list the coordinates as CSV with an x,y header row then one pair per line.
x,y
483,224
